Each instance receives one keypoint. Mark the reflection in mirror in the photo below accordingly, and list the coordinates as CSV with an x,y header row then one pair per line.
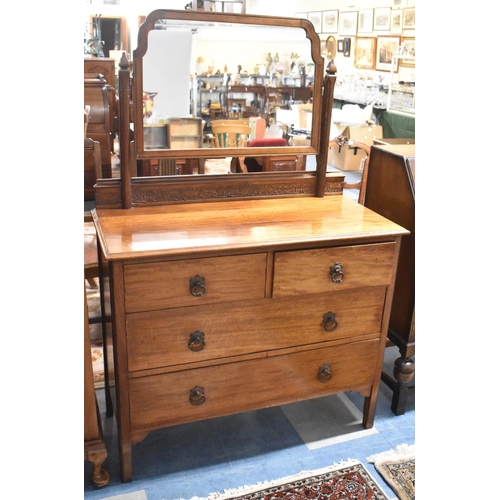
x,y
191,72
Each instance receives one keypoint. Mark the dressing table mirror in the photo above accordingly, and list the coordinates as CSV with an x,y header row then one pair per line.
x,y
160,94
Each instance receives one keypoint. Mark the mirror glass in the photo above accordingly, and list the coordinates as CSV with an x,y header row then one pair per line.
x,y
192,69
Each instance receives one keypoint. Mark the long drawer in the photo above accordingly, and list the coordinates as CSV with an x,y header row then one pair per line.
x,y
184,396
190,334
161,285
332,269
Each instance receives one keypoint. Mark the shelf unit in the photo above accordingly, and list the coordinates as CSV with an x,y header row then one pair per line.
x,y
401,96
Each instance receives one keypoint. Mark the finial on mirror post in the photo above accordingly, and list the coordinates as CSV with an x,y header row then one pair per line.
x,y
331,68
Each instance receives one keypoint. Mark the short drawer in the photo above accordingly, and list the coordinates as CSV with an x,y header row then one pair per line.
x,y
331,269
161,285
185,335
190,395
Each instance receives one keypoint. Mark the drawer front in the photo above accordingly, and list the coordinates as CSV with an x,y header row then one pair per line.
x,y
161,285
186,335
162,400
308,271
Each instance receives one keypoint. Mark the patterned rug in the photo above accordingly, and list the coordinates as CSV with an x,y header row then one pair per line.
x,y
346,481
95,336
397,467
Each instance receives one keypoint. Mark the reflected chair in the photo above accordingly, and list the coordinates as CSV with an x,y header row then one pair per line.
x,y
231,134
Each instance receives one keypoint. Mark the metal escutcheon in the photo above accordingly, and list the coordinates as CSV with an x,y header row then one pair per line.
x,y
324,373
197,341
197,286
197,396
337,272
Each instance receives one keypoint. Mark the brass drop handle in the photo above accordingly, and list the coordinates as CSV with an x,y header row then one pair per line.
x,y
324,373
337,272
197,286
197,341
197,396
329,321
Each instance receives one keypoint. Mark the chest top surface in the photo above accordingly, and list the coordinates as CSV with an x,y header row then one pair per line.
x,y
236,226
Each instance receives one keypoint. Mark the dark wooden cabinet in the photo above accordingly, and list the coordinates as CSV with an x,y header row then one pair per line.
x,y
101,125
102,65
390,191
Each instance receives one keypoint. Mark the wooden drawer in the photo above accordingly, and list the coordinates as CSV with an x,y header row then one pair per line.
x,y
162,400
162,338
308,271
161,285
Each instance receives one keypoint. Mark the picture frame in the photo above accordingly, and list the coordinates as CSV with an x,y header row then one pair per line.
x,y
347,47
364,52
315,18
330,21
340,45
348,23
396,21
409,19
387,46
409,42
329,50
382,19
365,21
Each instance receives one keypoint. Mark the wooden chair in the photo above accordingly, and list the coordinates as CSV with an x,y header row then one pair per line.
x,y
95,447
231,135
92,274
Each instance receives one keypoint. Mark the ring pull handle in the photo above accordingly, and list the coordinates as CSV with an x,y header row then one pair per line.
x,y
197,341
337,272
197,396
329,322
324,373
197,286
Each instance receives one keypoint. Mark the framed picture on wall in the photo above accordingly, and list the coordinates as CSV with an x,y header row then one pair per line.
x,y
409,19
330,48
315,18
382,19
396,21
387,46
348,23
340,45
408,46
330,22
347,47
365,21
364,53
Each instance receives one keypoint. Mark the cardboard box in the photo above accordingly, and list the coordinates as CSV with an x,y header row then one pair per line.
x,y
348,158
302,116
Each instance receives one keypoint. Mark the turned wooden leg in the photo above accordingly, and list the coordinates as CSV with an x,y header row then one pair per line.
x,y
100,477
404,369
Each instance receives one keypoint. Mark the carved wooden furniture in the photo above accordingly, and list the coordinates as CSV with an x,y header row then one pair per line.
x,y
105,66
95,448
100,126
91,167
232,293
390,191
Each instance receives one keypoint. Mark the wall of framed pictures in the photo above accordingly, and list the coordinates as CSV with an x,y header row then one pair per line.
x,y
366,38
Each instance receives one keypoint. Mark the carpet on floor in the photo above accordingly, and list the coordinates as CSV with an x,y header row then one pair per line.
x,y
94,308
397,467
348,480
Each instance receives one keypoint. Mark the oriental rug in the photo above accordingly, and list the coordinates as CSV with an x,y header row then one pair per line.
x,y
397,467
345,481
